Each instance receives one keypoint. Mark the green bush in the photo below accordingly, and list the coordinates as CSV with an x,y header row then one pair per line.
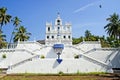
x,y
42,56
0,70
60,73
76,56
4,56
78,72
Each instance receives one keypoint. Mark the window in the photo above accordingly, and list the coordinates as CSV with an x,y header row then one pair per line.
x,y
69,37
58,28
64,37
58,22
52,37
48,28
47,37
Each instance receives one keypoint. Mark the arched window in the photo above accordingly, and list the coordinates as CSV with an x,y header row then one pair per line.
x,y
52,37
64,37
48,28
69,37
47,37
58,22
58,28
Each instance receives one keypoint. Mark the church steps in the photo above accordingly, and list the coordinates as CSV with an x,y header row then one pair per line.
x,y
23,61
91,59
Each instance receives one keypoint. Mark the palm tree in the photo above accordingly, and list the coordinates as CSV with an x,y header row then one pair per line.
x,y
113,27
16,22
88,34
4,17
2,40
21,34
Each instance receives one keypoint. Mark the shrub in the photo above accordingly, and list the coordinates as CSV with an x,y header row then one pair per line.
x,y
4,56
42,56
78,72
60,73
76,56
0,70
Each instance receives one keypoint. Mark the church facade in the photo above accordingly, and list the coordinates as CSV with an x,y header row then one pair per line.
x,y
58,33
58,54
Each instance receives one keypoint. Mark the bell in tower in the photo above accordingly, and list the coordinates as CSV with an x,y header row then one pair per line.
x,y
58,21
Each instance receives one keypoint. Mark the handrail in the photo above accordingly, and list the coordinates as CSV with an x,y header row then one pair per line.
x,y
93,60
108,58
38,49
79,43
106,49
88,42
31,42
9,50
28,59
18,63
101,49
78,48
104,64
42,46
23,61
90,51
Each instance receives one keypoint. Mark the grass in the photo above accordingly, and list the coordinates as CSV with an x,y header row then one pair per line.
x,y
60,73
35,77
59,76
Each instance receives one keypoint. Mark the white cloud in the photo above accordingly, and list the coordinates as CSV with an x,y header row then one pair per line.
x,y
85,7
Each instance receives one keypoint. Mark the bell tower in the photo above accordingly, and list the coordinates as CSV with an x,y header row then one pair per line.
x,y
58,33
58,20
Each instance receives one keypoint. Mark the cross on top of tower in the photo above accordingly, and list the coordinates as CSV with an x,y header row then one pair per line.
x,y
58,15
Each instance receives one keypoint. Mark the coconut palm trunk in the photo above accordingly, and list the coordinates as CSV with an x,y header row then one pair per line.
x,y
16,22
11,38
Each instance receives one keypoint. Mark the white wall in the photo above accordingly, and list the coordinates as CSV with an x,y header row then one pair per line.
x,y
88,45
52,66
103,54
49,52
14,57
68,65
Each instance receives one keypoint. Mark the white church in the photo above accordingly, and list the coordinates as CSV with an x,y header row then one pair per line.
x,y
58,54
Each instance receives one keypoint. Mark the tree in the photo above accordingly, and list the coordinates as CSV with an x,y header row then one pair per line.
x,y
21,34
88,35
77,40
113,27
4,17
16,22
2,40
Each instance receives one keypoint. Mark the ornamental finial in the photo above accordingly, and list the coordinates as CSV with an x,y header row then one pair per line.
x,y
58,14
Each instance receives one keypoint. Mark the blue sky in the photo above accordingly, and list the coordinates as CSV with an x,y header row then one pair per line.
x,y
83,14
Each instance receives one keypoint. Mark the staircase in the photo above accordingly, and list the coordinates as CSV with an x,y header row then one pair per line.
x,y
34,56
23,61
78,49
91,59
